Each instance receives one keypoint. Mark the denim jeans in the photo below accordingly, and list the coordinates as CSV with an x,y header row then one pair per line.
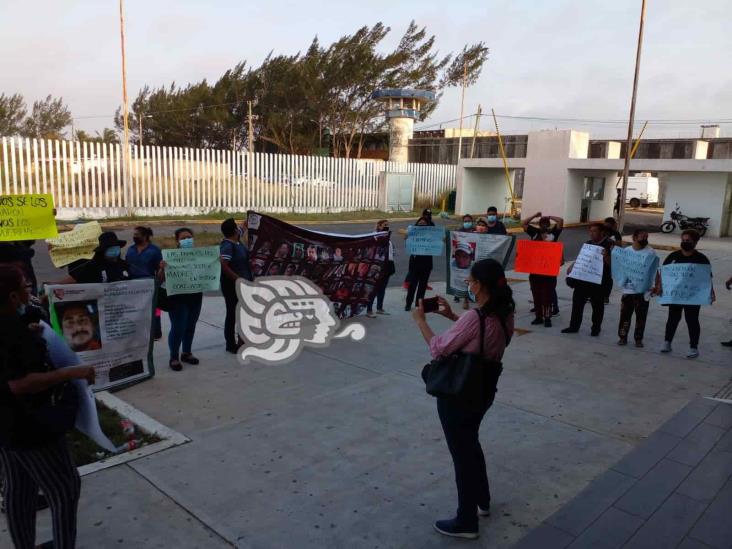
x,y
461,426
184,311
378,297
228,288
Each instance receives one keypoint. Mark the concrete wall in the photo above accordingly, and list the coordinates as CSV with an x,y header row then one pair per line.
x,y
479,188
699,195
400,132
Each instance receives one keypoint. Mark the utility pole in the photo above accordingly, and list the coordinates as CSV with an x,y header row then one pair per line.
x,y
125,112
475,132
629,141
250,144
462,105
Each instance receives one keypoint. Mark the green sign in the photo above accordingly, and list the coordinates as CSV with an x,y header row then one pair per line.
x,y
192,270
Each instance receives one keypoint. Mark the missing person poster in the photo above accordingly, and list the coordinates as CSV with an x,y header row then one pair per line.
x,y
347,268
108,326
466,248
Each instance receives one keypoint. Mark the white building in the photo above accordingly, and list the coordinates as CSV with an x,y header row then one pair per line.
x,y
559,178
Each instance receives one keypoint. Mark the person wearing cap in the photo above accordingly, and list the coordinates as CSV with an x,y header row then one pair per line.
x,y
494,226
543,287
105,266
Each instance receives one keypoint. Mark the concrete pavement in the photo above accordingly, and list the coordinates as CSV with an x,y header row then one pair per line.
x,y
344,448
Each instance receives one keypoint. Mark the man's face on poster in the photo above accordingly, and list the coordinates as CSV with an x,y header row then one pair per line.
x,y
462,259
78,328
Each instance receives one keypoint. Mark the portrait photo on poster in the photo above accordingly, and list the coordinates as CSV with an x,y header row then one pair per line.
x,y
79,322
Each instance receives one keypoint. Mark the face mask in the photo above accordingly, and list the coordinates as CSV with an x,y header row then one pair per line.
x,y
471,295
687,246
481,229
137,240
21,309
386,228
467,224
492,218
186,243
643,243
112,252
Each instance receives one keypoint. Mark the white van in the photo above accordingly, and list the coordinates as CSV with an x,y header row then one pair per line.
x,y
642,191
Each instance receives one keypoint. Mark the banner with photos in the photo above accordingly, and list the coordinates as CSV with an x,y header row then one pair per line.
x,y
466,248
347,268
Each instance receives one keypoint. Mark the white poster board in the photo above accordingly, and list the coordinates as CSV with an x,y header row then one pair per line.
x,y
589,264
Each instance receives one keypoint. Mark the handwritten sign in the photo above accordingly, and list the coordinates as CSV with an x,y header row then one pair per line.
x,y
425,240
686,284
27,217
76,244
634,268
537,257
192,270
588,265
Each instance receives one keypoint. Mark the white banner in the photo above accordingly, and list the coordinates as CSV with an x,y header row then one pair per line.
x,y
108,326
589,264
467,248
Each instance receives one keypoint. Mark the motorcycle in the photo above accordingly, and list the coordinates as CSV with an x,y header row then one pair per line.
x,y
699,224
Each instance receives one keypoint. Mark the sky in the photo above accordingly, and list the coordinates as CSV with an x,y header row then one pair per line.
x,y
548,58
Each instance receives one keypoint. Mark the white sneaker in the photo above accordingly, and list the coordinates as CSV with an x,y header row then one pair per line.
x,y
693,352
370,314
666,347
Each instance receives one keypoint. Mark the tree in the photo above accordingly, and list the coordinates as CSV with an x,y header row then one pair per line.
x,y
12,113
108,135
47,119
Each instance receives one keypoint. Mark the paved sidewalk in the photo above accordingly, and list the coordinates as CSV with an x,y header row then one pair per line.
x,y
344,448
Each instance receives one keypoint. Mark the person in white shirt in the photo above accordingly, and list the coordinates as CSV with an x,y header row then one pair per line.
x,y
380,292
633,300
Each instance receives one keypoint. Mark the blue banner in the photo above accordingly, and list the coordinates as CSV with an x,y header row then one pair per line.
x,y
638,268
425,240
686,284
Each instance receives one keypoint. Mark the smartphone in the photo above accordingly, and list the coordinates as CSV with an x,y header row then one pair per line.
x,y
430,305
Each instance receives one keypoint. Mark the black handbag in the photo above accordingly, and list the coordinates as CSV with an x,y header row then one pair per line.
x,y
467,377
57,413
390,268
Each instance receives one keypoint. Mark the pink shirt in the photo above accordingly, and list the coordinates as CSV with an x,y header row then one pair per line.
x,y
464,336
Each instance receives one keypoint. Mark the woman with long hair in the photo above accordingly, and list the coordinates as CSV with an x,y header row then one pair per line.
x,y
488,287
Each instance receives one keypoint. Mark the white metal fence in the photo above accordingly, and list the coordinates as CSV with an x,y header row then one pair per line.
x,y
86,179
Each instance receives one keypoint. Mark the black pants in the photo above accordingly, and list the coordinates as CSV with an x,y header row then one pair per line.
x,y
596,294
229,290
418,280
691,313
461,426
50,469
629,304
378,296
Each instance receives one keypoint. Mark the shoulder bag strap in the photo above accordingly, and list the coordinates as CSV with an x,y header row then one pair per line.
x,y
481,321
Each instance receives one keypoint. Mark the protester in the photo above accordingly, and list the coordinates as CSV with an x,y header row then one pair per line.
x,y
481,226
27,252
420,267
380,292
105,266
33,398
234,265
183,311
543,287
461,423
614,238
687,254
426,214
144,259
595,293
494,226
634,301
728,285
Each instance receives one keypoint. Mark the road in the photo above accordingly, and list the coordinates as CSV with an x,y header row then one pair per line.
x,y
571,237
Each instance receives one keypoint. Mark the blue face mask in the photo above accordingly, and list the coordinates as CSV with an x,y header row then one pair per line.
x,y
186,243
471,295
492,218
112,252
467,224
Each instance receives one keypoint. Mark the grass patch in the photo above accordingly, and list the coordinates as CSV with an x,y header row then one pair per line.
x,y
85,451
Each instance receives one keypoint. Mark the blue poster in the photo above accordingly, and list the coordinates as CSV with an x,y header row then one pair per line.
x,y
686,284
638,268
425,240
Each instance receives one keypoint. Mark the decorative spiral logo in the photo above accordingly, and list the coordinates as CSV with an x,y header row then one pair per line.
x,y
278,316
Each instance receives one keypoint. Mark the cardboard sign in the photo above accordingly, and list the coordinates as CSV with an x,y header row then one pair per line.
x,y
686,284
76,244
425,240
589,264
27,217
634,269
193,270
538,257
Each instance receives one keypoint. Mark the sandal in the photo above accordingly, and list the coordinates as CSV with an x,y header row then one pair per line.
x,y
188,358
175,365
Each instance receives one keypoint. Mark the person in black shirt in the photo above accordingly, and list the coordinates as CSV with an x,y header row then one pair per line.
x,y
105,266
494,226
687,254
420,267
586,290
615,239
543,288
32,455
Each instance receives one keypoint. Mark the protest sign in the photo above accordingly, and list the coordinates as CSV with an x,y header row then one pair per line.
x,y
686,284
467,248
108,326
76,244
425,240
589,264
538,257
193,270
348,268
27,217
638,268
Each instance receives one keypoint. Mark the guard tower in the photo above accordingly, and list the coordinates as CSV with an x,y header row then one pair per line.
x,y
403,107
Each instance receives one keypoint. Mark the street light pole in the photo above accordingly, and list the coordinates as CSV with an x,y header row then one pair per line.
x,y
629,141
125,111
